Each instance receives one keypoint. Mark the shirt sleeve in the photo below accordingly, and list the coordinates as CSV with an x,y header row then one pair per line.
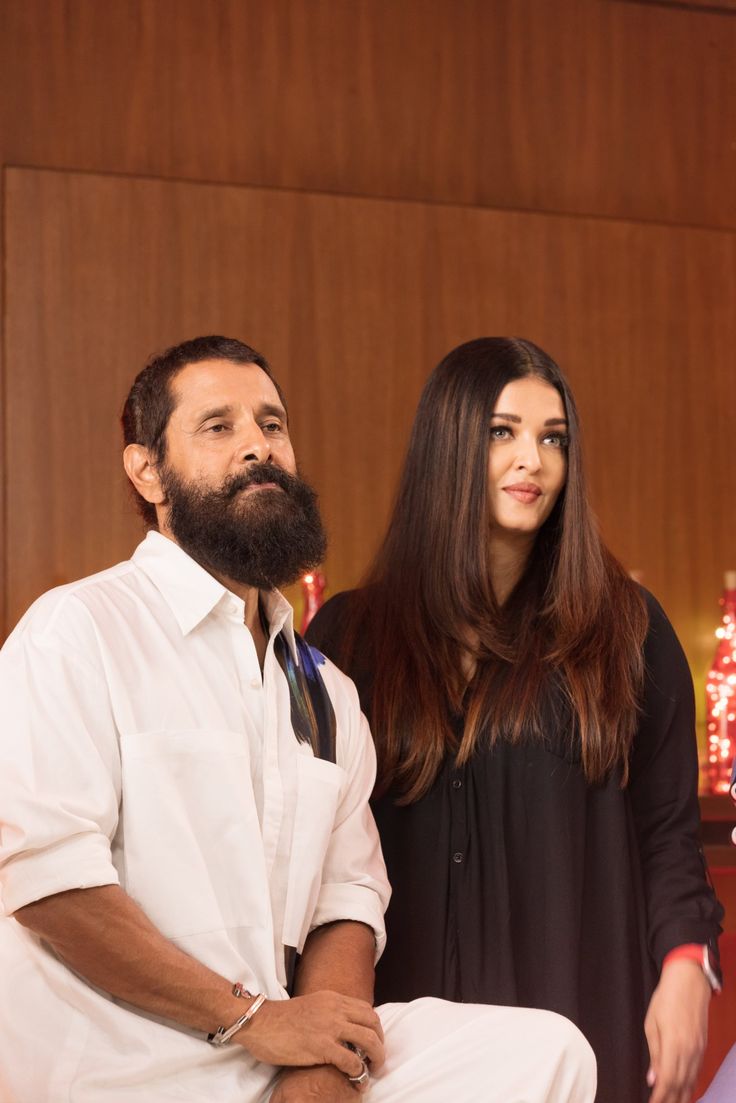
x,y
59,770
354,882
681,905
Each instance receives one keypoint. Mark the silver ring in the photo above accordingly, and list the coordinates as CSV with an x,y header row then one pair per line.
x,y
364,1077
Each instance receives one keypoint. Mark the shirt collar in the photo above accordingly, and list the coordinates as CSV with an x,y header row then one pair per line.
x,y
192,593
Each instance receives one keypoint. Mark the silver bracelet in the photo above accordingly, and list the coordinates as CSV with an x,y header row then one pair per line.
x,y
223,1034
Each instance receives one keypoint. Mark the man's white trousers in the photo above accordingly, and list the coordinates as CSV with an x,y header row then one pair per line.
x,y
440,1052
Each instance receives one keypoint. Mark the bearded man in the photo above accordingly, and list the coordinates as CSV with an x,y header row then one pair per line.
x,y
188,854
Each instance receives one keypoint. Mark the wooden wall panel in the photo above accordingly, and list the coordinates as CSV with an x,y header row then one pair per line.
x,y
354,301
581,106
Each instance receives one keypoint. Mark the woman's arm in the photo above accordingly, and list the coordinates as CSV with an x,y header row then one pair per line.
x,y
681,905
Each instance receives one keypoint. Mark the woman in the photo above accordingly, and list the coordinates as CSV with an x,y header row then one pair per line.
x,y
533,716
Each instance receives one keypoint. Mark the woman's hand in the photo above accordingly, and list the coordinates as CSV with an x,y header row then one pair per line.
x,y
322,1084
676,1027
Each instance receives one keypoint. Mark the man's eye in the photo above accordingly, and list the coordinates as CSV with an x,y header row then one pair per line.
x,y
218,428
272,427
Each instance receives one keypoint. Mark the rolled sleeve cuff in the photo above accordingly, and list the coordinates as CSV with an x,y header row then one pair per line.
x,y
80,863
683,933
354,902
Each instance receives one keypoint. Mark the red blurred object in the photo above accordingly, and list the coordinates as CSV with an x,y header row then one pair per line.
x,y
720,697
313,589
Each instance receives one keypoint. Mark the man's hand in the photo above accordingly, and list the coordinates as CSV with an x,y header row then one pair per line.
x,y
311,1030
676,1027
323,1085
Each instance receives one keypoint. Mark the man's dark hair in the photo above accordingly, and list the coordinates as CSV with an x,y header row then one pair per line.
x,y
150,402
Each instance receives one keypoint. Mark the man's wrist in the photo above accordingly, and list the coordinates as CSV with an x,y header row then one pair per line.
x,y
223,1034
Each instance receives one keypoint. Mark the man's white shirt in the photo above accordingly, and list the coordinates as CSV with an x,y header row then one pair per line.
x,y
141,746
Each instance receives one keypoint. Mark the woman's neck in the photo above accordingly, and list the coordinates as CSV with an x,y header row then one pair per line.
x,y
508,556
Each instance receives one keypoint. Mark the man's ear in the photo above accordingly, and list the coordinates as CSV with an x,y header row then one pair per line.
x,y
143,473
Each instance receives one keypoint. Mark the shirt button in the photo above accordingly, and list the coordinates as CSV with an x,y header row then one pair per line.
x,y
457,857
256,683
457,784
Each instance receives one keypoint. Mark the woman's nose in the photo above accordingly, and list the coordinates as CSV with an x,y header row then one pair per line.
x,y
527,456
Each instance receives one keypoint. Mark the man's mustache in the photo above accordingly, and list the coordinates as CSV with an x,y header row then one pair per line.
x,y
256,475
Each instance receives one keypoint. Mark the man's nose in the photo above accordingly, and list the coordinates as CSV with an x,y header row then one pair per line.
x,y
254,447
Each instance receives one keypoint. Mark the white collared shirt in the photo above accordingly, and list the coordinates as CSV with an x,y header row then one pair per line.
x,y
141,746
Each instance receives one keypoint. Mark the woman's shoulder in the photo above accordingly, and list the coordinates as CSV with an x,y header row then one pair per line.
x,y
654,610
665,661
338,631
660,627
328,627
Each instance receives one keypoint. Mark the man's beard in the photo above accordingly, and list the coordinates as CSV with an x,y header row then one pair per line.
x,y
265,538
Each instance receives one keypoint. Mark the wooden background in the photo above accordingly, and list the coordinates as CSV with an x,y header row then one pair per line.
x,y
354,186
369,294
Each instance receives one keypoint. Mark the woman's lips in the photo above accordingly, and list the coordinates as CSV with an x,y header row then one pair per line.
x,y
524,492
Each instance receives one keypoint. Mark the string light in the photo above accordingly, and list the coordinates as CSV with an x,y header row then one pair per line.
x,y
720,690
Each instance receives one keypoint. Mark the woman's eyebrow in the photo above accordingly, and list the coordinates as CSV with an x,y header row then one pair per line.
x,y
517,419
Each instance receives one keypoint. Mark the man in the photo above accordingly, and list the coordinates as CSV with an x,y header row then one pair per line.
x,y
186,837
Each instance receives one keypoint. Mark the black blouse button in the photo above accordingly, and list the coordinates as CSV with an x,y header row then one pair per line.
x,y
457,857
457,783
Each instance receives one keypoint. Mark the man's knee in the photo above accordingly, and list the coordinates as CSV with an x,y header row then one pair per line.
x,y
481,1051
572,1045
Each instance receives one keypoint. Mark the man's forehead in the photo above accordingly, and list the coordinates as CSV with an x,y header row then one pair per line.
x,y
222,383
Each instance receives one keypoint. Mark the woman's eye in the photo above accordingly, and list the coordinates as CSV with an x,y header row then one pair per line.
x,y
500,432
557,440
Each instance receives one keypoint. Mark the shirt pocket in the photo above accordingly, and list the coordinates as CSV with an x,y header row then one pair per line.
x,y
319,786
193,856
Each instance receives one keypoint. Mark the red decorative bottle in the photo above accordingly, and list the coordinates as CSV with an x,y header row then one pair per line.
x,y
313,589
720,696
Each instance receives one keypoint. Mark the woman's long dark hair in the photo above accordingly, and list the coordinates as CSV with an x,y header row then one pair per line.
x,y
574,618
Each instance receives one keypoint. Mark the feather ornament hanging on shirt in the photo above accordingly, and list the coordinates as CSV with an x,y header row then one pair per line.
x,y
312,714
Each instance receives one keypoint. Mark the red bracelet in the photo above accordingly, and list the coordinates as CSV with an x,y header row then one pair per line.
x,y
700,954
689,951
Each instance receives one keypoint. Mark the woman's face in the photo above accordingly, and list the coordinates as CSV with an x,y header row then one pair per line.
x,y
527,457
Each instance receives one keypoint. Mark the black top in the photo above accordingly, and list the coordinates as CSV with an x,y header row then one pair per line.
x,y
517,883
